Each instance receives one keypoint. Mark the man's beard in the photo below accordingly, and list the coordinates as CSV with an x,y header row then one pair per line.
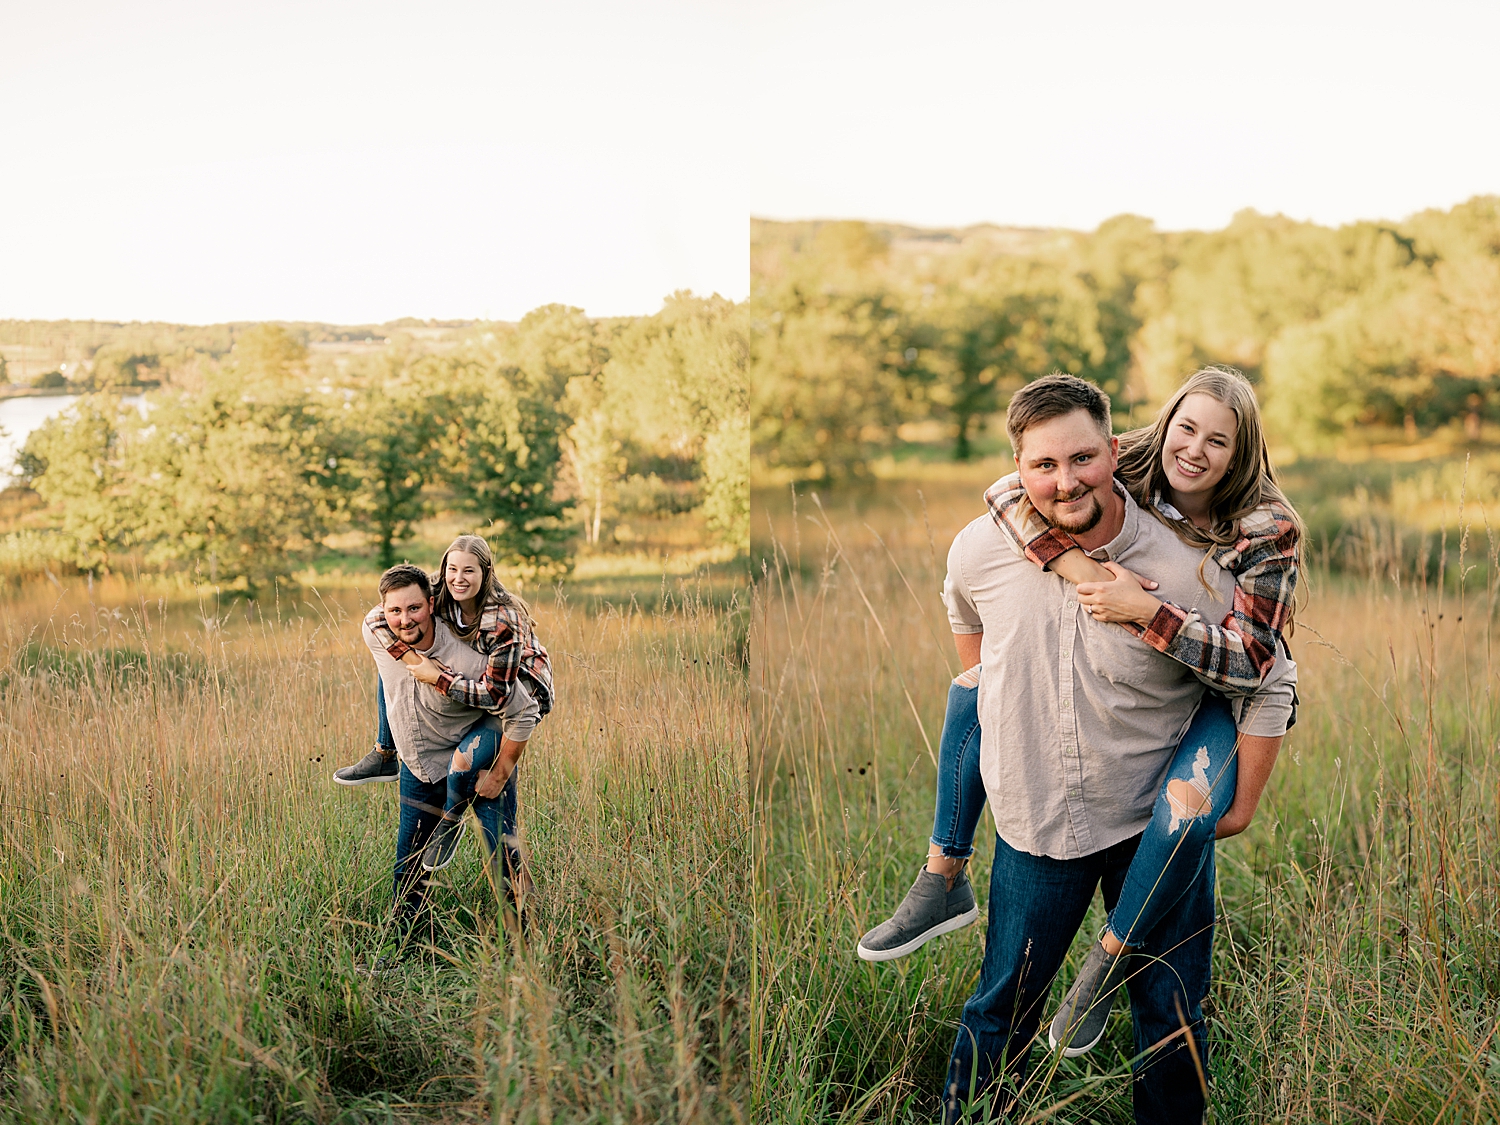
x,y
1084,524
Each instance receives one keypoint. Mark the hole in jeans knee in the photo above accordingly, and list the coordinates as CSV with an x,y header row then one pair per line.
x,y
1188,799
461,760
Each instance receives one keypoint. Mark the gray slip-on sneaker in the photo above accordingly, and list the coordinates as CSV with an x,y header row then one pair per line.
x,y
378,765
443,846
929,910
1079,1023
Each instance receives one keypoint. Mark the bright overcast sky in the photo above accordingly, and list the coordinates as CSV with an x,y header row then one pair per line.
x,y
1062,114
356,162
360,161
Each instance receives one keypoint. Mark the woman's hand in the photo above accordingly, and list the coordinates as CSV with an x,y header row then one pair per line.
x,y
1122,599
426,670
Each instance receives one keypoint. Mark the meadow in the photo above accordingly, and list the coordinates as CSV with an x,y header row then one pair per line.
x,y
185,895
1356,974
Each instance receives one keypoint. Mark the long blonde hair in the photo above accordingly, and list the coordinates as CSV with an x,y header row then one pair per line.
x,y
491,590
1250,482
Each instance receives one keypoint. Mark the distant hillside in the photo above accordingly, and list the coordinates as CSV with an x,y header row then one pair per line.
x,y
150,352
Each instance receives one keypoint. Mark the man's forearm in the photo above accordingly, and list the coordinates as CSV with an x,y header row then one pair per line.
x,y
1257,758
969,646
490,782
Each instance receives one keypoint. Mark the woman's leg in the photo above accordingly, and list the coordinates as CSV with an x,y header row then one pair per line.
x,y
960,790
1199,789
941,900
477,751
380,762
384,740
1176,844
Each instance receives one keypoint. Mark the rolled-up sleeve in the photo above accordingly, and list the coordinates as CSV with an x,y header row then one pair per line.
x,y
1267,713
962,614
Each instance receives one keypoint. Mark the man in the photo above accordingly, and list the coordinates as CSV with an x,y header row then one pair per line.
x,y
427,726
1080,720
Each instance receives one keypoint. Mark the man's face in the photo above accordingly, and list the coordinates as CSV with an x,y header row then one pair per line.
x,y
1066,466
408,612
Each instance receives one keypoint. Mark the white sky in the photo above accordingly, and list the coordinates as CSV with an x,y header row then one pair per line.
x,y
1063,114
355,162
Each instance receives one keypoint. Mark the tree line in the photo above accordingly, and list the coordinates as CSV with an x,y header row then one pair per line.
x,y
244,464
1371,331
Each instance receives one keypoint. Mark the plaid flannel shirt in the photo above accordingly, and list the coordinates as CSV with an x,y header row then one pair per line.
x,y
511,649
1235,655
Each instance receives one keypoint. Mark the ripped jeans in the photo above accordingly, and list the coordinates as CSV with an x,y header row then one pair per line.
x,y
1197,791
420,817
1175,844
475,752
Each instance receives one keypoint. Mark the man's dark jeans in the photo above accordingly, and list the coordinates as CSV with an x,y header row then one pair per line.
x,y
421,809
1036,905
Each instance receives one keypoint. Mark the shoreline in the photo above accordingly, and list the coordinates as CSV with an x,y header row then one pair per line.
x,y
13,390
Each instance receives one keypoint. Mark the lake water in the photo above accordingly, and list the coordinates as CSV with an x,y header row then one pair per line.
x,y
18,417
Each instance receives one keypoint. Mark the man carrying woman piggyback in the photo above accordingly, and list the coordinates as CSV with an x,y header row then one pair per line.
x,y
463,683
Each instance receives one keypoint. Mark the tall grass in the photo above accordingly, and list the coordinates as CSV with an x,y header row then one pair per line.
x,y
1357,970
184,894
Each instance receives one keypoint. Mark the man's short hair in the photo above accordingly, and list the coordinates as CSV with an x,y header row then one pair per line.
x,y
1050,397
402,575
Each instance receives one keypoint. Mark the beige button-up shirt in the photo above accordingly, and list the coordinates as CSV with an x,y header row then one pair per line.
x,y
425,723
1079,718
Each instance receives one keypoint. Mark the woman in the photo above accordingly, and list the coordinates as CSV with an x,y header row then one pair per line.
x,y
516,688
1202,468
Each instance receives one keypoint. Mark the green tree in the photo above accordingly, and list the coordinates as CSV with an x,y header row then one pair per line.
x,y
593,450
75,463
388,441
269,353
238,482
680,381
828,375
117,365
502,453
553,345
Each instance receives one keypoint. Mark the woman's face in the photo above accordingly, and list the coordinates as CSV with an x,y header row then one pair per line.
x,y
462,575
1199,446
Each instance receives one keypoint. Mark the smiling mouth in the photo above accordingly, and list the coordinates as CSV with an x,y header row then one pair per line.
x,y
1188,470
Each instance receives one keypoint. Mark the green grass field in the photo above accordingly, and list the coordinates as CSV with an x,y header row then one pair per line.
x,y
184,894
1357,971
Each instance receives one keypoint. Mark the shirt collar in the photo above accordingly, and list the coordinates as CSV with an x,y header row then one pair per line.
x,y
1129,528
1165,507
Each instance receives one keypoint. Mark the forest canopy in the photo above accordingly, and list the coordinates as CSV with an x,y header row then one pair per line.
x,y
1367,332
252,446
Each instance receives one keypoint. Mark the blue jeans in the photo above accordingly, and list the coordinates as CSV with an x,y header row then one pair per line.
x,y
1036,905
383,737
960,791
482,745
1172,848
1177,844
422,805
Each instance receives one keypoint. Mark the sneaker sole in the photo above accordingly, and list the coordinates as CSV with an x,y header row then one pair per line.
x,y
1074,1052
337,780
462,828
957,922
